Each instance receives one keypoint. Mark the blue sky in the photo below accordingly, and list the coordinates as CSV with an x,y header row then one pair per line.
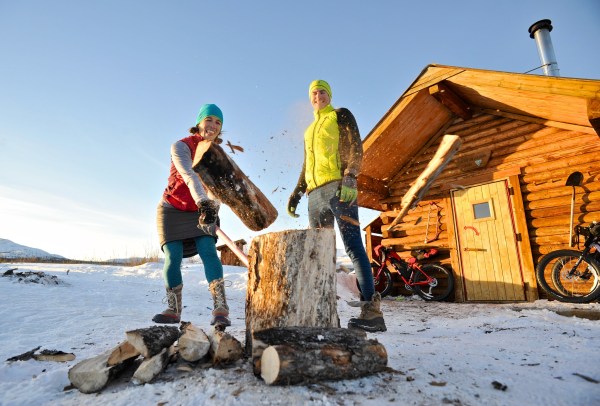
x,y
93,93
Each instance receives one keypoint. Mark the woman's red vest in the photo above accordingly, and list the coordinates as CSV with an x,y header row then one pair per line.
x,y
177,193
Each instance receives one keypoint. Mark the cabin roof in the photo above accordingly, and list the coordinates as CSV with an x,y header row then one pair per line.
x,y
442,94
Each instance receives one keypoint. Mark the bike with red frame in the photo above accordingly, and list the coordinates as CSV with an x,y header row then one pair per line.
x,y
429,281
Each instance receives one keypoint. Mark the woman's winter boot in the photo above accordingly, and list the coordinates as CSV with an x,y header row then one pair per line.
x,y
220,309
174,306
371,316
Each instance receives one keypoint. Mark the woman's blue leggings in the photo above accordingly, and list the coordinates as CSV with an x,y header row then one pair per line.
x,y
213,269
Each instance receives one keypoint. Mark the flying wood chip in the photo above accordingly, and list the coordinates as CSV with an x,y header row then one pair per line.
x,y
234,147
350,220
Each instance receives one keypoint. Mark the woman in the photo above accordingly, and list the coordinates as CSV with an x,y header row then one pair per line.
x,y
186,218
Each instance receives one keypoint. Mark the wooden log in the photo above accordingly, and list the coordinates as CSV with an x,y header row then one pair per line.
x,y
551,175
476,122
93,374
224,348
261,339
151,367
121,353
301,355
151,341
539,163
193,343
221,175
560,192
447,149
564,210
291,281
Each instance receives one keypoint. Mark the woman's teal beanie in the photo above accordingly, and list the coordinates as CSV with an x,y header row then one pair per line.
x,y
209,110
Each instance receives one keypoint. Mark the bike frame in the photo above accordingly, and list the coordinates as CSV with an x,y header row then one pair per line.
x,y
591,241
385,254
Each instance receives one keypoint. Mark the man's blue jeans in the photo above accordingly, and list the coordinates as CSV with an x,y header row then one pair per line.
x,y
323,207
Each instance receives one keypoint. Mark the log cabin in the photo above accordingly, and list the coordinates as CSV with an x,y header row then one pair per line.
x,y
228,257
503,200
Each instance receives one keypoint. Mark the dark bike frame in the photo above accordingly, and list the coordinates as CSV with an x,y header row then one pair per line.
x,y
412,274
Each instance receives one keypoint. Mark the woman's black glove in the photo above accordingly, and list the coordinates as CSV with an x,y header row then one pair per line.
x,y
207,212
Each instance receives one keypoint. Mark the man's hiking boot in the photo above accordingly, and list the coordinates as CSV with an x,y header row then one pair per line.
x,y
220,309
371,316
173,312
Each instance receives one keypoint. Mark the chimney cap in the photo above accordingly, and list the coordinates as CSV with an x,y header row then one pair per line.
x,y
540,25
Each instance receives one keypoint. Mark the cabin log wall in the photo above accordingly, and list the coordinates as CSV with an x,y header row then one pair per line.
x,y
539,158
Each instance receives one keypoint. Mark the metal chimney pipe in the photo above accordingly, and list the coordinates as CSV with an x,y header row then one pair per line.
x,y
540,31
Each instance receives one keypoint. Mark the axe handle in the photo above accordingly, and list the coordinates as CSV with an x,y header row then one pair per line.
x,y
240,254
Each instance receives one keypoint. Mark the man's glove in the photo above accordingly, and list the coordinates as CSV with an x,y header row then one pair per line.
x,y
293,202
207,212
348,191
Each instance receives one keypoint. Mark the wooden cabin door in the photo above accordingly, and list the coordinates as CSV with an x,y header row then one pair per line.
x,y
487,243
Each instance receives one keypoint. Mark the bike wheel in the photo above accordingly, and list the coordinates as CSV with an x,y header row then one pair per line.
x,y
384,283
440,288
557,276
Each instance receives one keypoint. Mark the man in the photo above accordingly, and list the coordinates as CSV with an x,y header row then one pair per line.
x,y
332,159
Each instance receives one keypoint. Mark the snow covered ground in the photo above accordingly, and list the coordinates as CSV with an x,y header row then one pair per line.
x,y
440,353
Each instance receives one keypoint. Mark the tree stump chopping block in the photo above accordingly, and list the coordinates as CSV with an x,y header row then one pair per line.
x,y
291,281
221,175
303,355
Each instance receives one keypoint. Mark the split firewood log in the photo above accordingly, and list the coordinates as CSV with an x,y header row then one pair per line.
x,y
122,352
151,341
44,355
151,367
193,343
25,356
93,374
224,348
54,355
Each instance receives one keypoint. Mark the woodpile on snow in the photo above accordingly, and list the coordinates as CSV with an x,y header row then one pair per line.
x,y
150,350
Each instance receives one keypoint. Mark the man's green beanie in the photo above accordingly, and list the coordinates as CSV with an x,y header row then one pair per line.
x,y
319,84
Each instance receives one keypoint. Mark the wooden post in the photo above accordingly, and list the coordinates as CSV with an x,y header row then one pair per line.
x,y
447,149
291,281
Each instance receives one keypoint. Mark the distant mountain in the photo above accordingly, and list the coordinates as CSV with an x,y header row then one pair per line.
x,y
9,249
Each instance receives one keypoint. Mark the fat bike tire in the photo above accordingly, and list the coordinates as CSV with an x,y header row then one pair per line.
x,y
384,284
554,275
438,290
